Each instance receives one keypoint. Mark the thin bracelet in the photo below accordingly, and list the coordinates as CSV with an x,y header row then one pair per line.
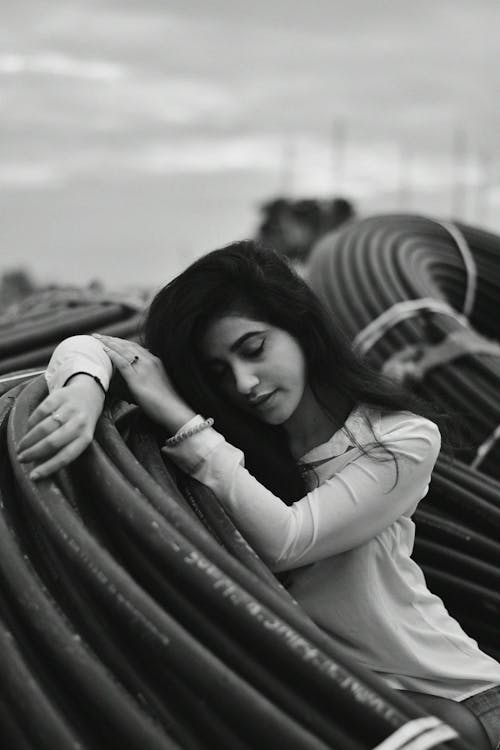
x,y
183,435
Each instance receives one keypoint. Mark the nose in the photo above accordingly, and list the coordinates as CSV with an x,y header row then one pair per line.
x,y
245,379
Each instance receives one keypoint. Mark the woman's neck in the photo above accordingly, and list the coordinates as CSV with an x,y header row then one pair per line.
x,y
310,425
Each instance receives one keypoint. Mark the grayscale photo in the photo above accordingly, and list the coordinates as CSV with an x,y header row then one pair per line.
x,y
249,375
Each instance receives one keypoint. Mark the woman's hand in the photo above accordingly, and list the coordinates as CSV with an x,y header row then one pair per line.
x,y
148,382
62,426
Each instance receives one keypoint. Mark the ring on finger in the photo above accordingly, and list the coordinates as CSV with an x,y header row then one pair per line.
x,y
55,415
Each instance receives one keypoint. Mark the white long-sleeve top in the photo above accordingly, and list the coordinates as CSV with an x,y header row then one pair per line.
x,y
347,543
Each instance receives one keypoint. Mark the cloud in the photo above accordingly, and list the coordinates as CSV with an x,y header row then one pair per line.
x,y
58,64
151,99
207,155
141,96
309,165
29,175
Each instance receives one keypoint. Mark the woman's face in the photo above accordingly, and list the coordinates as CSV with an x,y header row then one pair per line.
x,y
259,367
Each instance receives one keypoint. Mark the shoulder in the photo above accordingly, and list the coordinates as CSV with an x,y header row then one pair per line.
x,y
406,431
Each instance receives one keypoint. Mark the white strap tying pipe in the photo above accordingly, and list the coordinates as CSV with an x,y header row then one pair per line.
x,y
485,448
418,734
469,263
398,312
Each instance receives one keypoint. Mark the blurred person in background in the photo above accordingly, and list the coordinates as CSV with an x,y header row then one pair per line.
x,y
292,227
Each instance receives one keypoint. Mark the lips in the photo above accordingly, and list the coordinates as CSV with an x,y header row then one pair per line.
x,y
261,400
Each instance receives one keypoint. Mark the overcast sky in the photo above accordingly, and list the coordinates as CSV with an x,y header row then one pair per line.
x,y
136,135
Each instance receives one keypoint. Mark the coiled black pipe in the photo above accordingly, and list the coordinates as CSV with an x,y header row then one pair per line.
x,y
377,264
67,667
29,338
115,559
164,644
372,265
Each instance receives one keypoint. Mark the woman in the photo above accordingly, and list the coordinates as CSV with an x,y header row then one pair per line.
x,y
322,463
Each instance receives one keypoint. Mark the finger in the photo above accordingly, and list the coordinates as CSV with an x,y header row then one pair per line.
x,y
46,441
127,363
126,348
124,361
47,426
43,410
111,339
115,343
59,461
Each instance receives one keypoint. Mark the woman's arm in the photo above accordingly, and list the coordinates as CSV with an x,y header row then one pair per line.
x,y
63,425
356,504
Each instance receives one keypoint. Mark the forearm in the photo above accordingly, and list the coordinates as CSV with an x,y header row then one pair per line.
x,y
266,522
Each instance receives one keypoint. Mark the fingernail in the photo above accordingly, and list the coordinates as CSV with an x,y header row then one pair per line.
x,y
35,474
21,456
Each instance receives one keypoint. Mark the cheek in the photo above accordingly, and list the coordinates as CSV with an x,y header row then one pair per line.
x,y
292,371
300,378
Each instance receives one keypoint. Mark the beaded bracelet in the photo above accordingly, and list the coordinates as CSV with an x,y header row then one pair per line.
x,y
183,435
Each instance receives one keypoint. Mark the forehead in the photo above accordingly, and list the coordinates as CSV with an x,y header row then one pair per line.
x,y
222,333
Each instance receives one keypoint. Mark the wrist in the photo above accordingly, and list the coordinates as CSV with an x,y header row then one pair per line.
x,y
87,380
174,415
192,427
88,391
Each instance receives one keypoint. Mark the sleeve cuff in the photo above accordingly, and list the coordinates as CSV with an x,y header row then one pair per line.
x,y
194,450
78,354
83,372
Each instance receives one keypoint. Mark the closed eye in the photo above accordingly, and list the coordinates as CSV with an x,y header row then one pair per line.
x,y
219,369
254,351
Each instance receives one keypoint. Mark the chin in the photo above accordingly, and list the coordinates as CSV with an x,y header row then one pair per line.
x,y
280,418
275,421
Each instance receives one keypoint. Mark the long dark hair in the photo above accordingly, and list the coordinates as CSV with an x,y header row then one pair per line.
x,y
247,278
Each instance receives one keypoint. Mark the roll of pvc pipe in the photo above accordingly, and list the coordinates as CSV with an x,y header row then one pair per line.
x,y
368,274
127,565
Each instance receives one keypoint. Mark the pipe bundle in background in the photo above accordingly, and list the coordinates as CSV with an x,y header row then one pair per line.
x,y
419,298
31,330
133,614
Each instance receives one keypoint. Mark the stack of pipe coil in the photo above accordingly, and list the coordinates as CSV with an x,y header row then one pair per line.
x,y
418,297
133,614
30,330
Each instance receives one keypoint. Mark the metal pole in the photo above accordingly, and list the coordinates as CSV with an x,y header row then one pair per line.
x,y
458,187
